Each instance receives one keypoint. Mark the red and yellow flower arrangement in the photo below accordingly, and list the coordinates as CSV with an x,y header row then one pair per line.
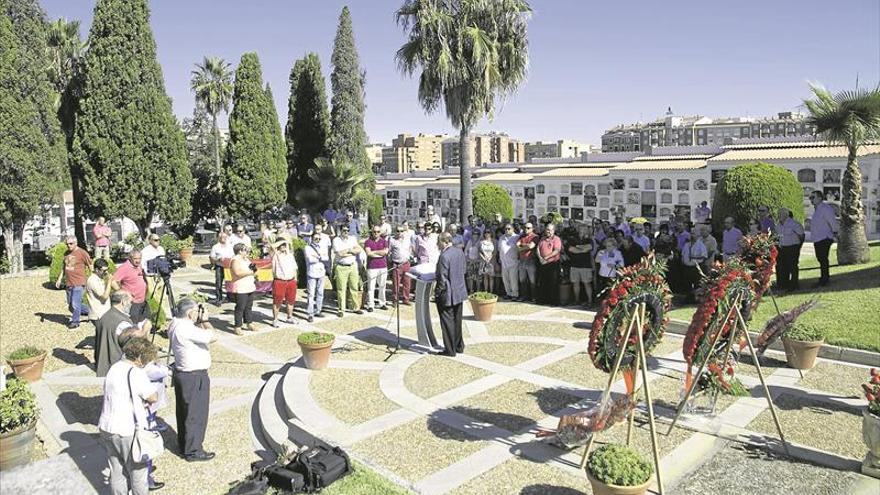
x,y
644,282
758,253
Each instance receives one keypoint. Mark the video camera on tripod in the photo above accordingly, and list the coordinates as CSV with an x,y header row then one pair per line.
x,y
165,265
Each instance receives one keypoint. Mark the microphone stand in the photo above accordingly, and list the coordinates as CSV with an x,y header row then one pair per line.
x,y
393,350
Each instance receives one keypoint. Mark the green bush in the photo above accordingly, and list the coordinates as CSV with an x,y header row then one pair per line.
x,y
746,187
804,332
482,296
186,242
375,209
134,240
490,199
619,465
315,338
56,260
25,352
18,406
169,243
4,265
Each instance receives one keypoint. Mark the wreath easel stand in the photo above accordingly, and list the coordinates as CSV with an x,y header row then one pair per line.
x,y
738,326
636,323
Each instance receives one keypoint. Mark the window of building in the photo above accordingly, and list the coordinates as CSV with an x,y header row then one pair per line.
x,y
564,212
666,198
603,214
618,197
717,175
563,201
539,189
617,183
649,184
577,188
684,199
683,184
590,200
604,189
806,175
577,213
701,185
591,213
634,183
604,202
831,176
665,184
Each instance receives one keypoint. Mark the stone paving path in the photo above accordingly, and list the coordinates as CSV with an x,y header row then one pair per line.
x,y
466,425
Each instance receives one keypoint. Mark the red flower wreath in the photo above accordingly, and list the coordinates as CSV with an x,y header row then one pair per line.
x,y
758,253
643,282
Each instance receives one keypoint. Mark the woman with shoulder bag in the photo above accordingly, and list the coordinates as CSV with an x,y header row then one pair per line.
x,y
244,286
129,445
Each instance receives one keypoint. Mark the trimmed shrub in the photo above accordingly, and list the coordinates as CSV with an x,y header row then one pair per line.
x,y
746,187
56,260
490,199
375,209
18,406
619,465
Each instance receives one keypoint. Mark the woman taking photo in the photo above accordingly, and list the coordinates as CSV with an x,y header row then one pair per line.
x,y
243,286
127,390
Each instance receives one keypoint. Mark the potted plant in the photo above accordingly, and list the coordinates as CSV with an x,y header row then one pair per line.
x,y
27,362
18,421
871,425
483,304
802,343
618,470
316,347
185,248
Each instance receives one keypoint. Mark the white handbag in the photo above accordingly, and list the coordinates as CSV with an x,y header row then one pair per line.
x,y
145,445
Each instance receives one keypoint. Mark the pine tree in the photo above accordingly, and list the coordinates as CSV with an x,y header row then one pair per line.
x,y
347,135
308,123
253,173
32,147
127,142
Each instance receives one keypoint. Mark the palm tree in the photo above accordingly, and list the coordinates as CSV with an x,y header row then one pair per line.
x,y
339,184
212,84
66,50
850,118
470,52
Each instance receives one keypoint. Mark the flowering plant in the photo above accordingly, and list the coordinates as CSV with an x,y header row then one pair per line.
x,y
759,252
872,392
643,282
719,379
719,290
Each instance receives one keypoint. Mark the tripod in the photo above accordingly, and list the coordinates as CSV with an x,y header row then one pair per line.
x,y
396,270
166,284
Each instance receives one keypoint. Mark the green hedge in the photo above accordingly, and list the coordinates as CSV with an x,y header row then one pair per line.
x,y
746,187
490,199
56,260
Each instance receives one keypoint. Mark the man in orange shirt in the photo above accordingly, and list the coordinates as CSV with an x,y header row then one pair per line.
x,y
76,261
549,252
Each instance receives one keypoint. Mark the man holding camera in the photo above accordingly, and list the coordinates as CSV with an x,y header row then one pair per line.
x,y
190,336
130,277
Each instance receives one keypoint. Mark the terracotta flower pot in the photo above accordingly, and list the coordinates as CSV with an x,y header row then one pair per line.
x,y
30,369
871,436
186,253
801,355
16,447
317,356
483,308
600,488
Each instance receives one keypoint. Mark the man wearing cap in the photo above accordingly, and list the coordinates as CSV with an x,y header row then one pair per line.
x,y
284,272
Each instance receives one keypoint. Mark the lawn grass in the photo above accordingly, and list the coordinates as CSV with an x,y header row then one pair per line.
x,y
848,308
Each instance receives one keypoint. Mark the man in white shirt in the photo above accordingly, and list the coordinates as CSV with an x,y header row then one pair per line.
x,y
432,217
284,273
693,256
346,249
150,252
98,289
509,256
385,227
641,239
239,237
316,270
791,238
221,250
192,358
823,232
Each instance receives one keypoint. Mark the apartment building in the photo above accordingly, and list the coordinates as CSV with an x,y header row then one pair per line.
x,y
409,153
563,148
485,149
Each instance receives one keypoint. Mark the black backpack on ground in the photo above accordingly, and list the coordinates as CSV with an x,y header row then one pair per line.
x,y
319,463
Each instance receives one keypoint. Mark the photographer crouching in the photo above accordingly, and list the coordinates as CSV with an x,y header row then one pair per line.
x,y
190,335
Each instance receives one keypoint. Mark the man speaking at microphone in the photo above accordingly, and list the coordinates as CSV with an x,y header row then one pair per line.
x,y
450,292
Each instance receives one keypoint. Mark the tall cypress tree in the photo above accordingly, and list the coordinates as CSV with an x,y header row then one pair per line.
x,y
308,123
127,142
253,171
32,147
347,135
279,162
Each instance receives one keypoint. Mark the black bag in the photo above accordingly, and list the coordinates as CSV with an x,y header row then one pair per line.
x,y
319,463
284,479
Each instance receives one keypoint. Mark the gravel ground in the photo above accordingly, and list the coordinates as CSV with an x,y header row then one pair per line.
x,y
836,378
543,329
768,474
515,405
509,353
577,369
641,438
517,308
433,375
277,342
769,364
524,477
227,363
822,425
571,314
667,391
367,348
418,448
353,396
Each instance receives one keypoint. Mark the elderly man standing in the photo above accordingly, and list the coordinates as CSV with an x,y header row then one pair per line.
x,y
76,262
791,238
450,292
98,289
823,232
150,252
354,226
400,252
346,249
316,270
730,239
192,385
130,277
711,246
509,256
112,331
385,227
528,271
102,234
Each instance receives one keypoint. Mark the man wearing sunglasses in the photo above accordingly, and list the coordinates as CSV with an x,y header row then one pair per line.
x,y
76,261
346,249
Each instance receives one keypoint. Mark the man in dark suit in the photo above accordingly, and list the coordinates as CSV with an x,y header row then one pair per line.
x,y
450,292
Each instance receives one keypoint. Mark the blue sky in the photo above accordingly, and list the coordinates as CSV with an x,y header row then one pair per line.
x,y
593,64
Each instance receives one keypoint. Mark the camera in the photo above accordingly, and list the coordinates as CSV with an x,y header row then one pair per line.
x,y
164,266
253,267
